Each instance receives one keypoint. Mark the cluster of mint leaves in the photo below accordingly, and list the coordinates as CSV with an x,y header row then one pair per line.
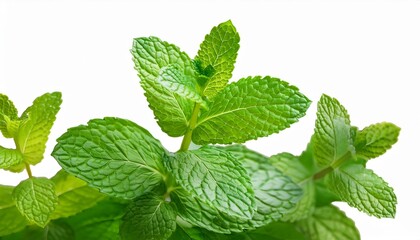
x,y
215,188
34,208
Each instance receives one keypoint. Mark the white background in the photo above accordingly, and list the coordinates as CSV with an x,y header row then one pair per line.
x,y
365,53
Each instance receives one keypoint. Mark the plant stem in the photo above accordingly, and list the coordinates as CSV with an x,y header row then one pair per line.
x,y
28,170
186,141
333,166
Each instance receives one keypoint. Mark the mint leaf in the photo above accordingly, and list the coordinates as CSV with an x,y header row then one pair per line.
x,y
149,217
363,189
186,234
73,194
99,222
376,139
35,127
215,176
293,167
36,199
8,112
250,108
114,155
202,214
329,223
275,193
175,81
16,168
9,157
172,111
273,231
332,139
53,231
10,218
219,50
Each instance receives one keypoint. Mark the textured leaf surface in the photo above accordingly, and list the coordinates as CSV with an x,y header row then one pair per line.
x,y
175,81
376,139
291,166
8,111
201,214
329,223
219,50
36,199
9,157
35,127
73,194
149,217
332,138
250,108
99,222
10,218
114,155
363,189
215,176
273,231
275,193
186,234
171,110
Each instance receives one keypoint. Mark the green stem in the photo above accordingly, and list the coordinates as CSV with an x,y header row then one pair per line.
x,y
28,170
333,166
186,141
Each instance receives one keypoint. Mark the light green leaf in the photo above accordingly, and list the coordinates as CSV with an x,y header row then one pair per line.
x,y
273,231
216,177
114,155
17,168
73,194
10,218
275,193
199,213
99,222
332,139
219,50
363,189
250,108
35,127
149,217
36,199
9,157
376,139
292,166
172,111
8,112
329,223
8,127
175,81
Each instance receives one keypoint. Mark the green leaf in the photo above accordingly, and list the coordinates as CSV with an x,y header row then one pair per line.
x,y
273,231
376,139
35,127
53,231
9,157
216,177
8,112
172,111
36,199
219,51
175,81
363,189
8,127
99,222
250,108
149,217
329,223
202,214
17,168
73,194
293,167
10,218
114,155
186,234
332,138
275,193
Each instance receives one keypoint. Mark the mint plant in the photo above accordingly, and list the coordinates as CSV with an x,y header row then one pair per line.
x,y
30,207
217,188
